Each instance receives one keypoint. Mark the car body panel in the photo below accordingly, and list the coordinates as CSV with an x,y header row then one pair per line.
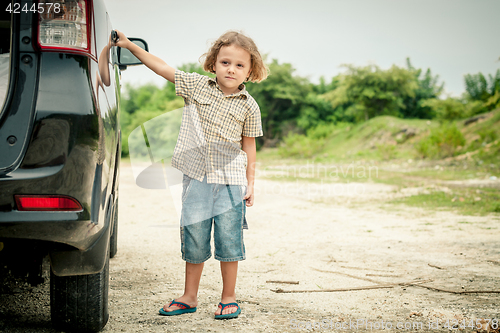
x,y
63,109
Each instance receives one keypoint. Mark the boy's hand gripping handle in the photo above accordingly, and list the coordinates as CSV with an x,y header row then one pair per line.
x,y
114,36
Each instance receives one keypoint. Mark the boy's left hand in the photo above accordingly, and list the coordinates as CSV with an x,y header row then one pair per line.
x,y
249,196
122,40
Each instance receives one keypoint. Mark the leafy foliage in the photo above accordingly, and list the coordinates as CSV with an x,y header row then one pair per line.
x,y
450,108
145,103
300,145
427,88
280,97
480,89
442,142
369,91
301,117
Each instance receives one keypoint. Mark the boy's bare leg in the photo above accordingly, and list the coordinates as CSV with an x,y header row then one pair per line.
x,y
229,271
192,282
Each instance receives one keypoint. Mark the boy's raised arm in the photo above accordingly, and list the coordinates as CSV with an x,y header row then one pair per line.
x,y
151,61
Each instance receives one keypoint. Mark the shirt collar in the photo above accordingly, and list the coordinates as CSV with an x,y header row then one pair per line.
x,y
243,90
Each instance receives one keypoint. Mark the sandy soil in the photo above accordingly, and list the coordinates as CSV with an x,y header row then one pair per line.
x,y
324,238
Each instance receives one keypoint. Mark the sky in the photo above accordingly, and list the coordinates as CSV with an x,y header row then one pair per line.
x,y
451,37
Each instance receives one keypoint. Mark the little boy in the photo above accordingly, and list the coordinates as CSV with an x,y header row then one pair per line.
x,y
216,153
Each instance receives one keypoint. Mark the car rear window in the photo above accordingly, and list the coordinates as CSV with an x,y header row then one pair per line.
x,y
5,37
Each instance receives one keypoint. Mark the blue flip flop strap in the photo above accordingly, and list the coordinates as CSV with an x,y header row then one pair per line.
x,y
226,305
174,302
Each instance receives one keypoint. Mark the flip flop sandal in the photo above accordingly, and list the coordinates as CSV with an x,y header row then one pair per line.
x,y
184,308
229,315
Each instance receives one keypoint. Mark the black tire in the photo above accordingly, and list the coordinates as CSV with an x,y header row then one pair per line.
x,y
80,303
113,240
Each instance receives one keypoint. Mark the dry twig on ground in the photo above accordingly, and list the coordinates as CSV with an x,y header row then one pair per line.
x,y
458,292
286,282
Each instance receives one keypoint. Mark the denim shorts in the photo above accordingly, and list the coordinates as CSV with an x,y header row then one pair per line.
x,y
204,205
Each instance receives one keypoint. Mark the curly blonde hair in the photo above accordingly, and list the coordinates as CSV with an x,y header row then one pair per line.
x,y
259,69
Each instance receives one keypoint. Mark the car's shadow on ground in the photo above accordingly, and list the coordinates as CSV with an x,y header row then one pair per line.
x,y
24,308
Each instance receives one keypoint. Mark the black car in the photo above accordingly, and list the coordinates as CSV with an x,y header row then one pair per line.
x,y
60,151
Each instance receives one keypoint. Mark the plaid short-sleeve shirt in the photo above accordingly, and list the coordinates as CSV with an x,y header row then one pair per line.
x,y
210,137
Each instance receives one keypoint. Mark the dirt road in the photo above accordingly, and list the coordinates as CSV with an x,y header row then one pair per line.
x,y
322,238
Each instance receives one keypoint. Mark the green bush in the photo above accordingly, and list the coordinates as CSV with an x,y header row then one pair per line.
x,y
447,109
487,135
496,209
322,130
299,145
441,142
387,151
473,108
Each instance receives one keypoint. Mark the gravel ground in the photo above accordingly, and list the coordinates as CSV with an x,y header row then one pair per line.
x,y
323,239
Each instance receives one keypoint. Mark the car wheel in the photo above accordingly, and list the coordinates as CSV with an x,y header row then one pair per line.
x,y
113,240
80,303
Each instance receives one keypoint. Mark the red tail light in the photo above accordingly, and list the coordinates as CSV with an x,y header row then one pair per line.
x,y
47,203
64,25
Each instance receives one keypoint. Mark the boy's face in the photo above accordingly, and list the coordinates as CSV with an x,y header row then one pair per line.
x,y
232,68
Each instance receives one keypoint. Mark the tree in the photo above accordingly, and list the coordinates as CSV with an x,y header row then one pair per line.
x,y
280,97
315,110
478,88
446,109
137,97
373,92
427,88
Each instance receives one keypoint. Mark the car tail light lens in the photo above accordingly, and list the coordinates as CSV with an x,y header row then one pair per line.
x,y
64,25
47,203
